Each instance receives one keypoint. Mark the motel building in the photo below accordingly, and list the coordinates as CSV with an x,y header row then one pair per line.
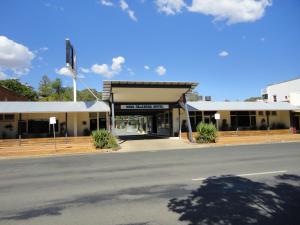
x,y
150,108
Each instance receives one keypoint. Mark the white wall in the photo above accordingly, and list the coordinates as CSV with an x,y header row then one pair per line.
x,y
295,98
83,122
283,90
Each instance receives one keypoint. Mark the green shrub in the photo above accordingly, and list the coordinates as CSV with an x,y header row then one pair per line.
x,y
104,139
206,133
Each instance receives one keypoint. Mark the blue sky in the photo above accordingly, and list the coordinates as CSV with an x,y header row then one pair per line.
x,y
231,50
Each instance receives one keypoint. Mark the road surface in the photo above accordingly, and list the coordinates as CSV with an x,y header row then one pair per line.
x,y
255,184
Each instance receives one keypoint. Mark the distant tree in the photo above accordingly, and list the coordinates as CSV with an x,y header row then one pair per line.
x,y
252,99
57,86
67,94
193,97
54,91
86,95
22,89
45,87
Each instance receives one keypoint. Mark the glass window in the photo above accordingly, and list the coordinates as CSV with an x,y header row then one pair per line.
x,y
22,126
265,96
36,127
260,113
198,117
93,115
9,117
274,113
243,119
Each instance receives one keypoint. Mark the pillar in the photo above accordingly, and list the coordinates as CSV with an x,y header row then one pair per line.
x,y
107,121
66,119
97,120
112,114
182,103
75,124
179,119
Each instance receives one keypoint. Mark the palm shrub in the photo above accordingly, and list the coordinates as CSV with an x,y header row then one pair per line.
x,y
206,133
104,139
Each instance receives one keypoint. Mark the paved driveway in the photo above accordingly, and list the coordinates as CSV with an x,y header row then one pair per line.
x,y
257,185
133,143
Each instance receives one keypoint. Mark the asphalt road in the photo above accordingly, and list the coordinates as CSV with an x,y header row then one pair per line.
x,y
256,184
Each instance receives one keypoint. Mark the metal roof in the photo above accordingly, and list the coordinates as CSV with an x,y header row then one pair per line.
x,y
239,106
46,107
284,81
108,84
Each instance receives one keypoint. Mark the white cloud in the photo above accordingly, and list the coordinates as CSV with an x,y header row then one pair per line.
x,y
231,11
223,54
3,76
43,49
170,7
146,67
64,71
160,70
14,56
130,71
106,2
125,7
85,70
117,63
131,14
49,5
109,71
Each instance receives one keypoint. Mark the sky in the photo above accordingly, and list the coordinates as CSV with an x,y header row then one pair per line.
x,y
232,48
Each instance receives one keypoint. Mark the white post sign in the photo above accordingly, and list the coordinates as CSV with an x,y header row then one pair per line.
x,y
52,120
217,118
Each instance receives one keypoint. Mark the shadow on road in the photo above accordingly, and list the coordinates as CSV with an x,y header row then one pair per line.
x,y
233,200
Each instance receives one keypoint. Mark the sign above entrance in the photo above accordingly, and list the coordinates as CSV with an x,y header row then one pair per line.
x,y
145,106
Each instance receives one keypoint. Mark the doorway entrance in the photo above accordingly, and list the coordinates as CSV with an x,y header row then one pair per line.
x,y
152,123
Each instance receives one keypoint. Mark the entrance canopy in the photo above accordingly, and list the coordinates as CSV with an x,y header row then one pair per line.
x,y
145,92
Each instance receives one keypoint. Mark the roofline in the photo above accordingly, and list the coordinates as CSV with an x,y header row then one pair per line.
x,y
109,84
284,81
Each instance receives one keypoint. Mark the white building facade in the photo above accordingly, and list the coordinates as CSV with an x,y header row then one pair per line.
x,y
156,108
286,91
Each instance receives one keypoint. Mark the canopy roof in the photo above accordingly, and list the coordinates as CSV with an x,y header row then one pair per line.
x,y
239,106
45,107
145,91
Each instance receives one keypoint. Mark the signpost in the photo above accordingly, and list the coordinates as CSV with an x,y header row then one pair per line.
x,y
217,118
52,120
71,64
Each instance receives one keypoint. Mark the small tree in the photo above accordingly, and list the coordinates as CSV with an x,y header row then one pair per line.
x,y
206,133
45,87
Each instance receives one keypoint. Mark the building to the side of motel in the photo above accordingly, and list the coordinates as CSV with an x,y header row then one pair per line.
x,y
162,105
285,91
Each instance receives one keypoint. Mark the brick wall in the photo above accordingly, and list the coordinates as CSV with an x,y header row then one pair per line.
x,y
8,95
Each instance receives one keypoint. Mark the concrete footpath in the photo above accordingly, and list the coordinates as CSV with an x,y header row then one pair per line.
x,y
85,146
